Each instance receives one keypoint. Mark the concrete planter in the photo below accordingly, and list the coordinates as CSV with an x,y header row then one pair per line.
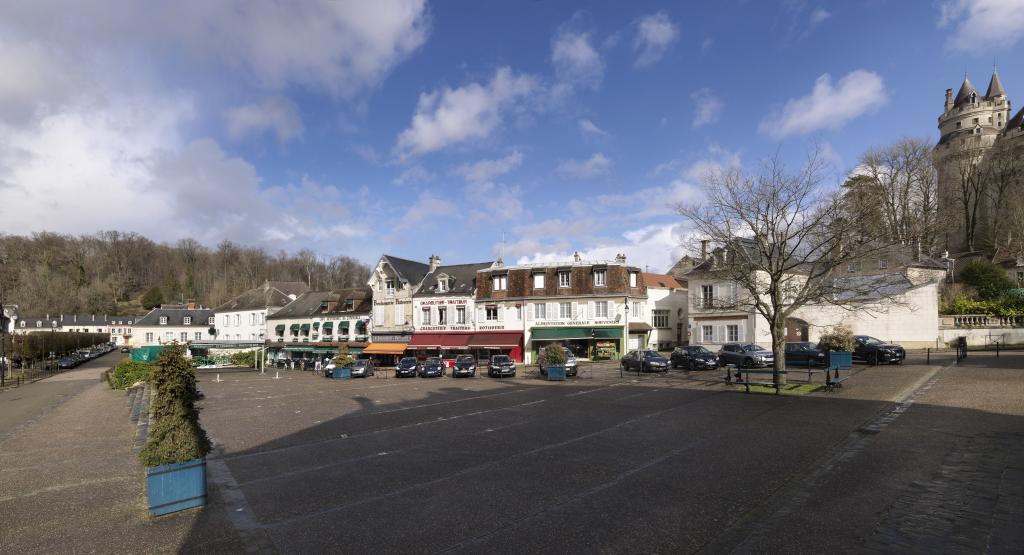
x,y
341,373
555,373
840,359
176,487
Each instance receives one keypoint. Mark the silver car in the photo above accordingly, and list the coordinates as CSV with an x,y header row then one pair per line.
x,y
570,363
745,355
362,368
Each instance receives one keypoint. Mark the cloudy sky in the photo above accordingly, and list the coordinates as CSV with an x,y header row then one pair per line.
x,y
412,128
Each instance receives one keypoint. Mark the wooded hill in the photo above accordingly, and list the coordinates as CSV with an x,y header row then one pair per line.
x,y
110,272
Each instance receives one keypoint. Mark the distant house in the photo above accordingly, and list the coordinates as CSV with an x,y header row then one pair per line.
x,y
319,322
394,281
173,324
666,311
245,316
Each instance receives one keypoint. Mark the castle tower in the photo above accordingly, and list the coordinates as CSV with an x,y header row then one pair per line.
x,y
969,127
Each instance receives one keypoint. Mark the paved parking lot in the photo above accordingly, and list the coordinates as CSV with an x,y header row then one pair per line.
x,y
649,464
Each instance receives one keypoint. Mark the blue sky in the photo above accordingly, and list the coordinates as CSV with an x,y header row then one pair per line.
x,y
414,128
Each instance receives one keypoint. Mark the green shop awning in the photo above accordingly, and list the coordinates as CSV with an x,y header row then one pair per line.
x,y
328,328
546,334
295,328
316,325
343,325
280,329
305,328
297,349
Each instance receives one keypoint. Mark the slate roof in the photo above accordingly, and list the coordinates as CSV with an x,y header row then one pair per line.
x,y
272,294
995,87
1016,121
461,280
408,270
660,280
76,320
311,303
176,317
964,95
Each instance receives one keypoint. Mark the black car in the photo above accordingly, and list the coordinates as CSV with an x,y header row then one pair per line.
x,y
694,357
406,368
804,353
875,351
465,365
501,365
433,367
68,362
644,361
745,355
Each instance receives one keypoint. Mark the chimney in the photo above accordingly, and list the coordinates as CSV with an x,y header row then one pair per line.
x,y
190,305
949,99
704,249
75,318
435,261
620,258
576,256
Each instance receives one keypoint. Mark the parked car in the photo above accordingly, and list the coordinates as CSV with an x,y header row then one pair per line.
x,y
571,365
644,361
126,349
362,368
746,355
465,365
67,362
876,351
501,365
693,357
406,368
804,353
433,367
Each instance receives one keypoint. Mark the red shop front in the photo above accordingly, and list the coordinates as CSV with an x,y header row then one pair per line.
x,y
444,345
487,344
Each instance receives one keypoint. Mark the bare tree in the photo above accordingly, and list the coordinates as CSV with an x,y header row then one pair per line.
x,y
782,239
1002,173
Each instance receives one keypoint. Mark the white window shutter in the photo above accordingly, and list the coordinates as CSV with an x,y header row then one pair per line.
x,y
552,311
528,309
575,310
590,309
723,336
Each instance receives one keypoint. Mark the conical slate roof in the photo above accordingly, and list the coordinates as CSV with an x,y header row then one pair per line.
x,y
995,87
1016,121
964,96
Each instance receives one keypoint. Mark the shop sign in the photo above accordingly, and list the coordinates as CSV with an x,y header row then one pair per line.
x,y
444,302
490,328
444,328
572,323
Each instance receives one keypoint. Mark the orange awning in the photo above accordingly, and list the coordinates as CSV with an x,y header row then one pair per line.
x,y
384,349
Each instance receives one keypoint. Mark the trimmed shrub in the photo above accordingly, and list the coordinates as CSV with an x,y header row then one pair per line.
x,y
343,359
176,435
990,280
244,359
128,372
552,355
839,338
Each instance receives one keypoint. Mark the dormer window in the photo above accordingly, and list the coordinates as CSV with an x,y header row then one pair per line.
x,y
208,320
974,98
538,281
350,304
600,278
187,321
563,279
442,285
632,279
163,320
499,283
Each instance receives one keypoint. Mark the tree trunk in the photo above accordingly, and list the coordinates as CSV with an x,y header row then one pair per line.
x,y
779,350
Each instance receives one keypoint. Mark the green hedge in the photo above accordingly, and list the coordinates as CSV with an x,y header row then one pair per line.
x,y
244,359
1006,306
128,372
176,435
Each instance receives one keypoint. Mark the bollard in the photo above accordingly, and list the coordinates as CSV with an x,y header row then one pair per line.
x,y
928,359
997,349
277,375
218,378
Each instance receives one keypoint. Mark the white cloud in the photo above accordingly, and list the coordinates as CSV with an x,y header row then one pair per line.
x,y
35,77
653,248
427,208
577,63
413,175
596,165
339,46
827,106
473,111
654,34
486,170
818,16
590,128
707,107
277,114
491,202
706,44
982,25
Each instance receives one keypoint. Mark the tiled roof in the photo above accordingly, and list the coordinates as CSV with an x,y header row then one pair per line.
x,y
408,270
461,279
660,280
312,303
176,317
272,294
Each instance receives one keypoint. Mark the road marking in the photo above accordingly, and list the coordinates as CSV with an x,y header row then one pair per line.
x,y
61,487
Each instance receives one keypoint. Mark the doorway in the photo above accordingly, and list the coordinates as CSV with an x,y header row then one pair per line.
x,y
796,330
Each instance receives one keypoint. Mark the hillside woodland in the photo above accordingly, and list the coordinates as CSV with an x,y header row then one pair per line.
x,y
111,272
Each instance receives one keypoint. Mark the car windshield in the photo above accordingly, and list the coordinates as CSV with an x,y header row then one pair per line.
x,y
433,360
568,353
500,359
651,354
407,360
752,347
361,362
699,351
870,341
465,358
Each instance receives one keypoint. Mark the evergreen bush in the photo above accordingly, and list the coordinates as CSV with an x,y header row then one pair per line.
x,y
990,280
552,355
128,372
176,435
343,358
839,339
244,359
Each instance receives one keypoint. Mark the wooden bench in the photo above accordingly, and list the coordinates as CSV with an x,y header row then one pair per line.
x,y
747,383
832,378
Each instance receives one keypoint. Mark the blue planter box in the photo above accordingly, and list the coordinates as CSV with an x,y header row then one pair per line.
x,y
176,487
840,359
555,373
341,373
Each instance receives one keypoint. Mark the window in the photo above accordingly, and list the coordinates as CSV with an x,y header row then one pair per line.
x,y
563,279
498,283
149,337
732,332
187,321
163,320
350,304
238,319
958,125
259,318
399,315
661,318
227,320
460,315
882,264
492,314
707,334
169,336
538,281
389,287
425,319
252,318
442,316
601,309
198,335
442,285
638,311
209,320
854,266
632,279
975,122
519,312
565,310
600,278
540,311
707,296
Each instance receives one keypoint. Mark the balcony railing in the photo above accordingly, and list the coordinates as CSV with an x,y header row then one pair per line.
x,y
981,321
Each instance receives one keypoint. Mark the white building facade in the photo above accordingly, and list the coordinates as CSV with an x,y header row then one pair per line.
x,y
173,325
666,311
245,316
